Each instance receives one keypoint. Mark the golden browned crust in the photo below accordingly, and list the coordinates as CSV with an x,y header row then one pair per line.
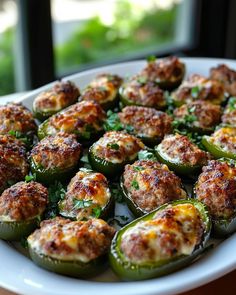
x,y
225,75
63,94
15,116
90,239
168,69
154,185
225,138
201,88
146,94
77,118
103,88
147,122
117,147
216,187
23,201
85,186
59,151
180,148
229,116
13,164
207,114
172,232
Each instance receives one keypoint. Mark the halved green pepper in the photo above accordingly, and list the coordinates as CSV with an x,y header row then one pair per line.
x,y
69,268
48,176
15,230
130,271
215,150
179,168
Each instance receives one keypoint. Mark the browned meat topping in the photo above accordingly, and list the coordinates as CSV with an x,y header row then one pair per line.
x,y
23,201
216,187
151,184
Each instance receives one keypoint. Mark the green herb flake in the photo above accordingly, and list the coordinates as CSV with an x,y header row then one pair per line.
x,y
232,104
135,184
142,80
29,178
81,204
195,91
151,58
113,122
138,168
146,155
190,118
113,146
96,212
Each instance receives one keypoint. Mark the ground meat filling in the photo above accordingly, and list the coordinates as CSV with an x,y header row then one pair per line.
x,y
142,92
229,116
86,191
146,122
197,87
103,88
166,69
216,187
225,139
151,184
63,94
206,115
178,148
13,164
60,151
173,231
23,201
68,240
117,147
81,118
225,75
15,116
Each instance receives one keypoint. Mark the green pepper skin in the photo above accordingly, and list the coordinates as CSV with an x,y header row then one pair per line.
x,y
107,168
181,169
130,271
49,176
15,230
69,268
171,85
133,207
42,116
216,151
223,227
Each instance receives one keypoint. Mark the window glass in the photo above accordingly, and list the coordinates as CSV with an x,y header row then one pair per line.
x,y
91,31
8,18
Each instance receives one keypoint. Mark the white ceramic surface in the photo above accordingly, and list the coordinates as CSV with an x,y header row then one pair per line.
x,y
19,274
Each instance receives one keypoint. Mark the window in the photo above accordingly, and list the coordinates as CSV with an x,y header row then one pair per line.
x,y
103,31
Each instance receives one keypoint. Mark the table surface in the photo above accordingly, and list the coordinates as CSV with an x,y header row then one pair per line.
x,y
224,285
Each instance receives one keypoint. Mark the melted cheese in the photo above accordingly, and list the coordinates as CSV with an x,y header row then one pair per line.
x,y
164,237
225,138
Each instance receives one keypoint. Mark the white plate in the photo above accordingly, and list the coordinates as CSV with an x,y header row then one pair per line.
x,y
19,274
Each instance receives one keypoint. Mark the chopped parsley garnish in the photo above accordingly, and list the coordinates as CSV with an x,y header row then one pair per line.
x,y
116,192
135,184
151,58
113,122
146,155
81,204
56,193
138,168
96,212
26,139
232,104
195,91
31,177
120,220
113,146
